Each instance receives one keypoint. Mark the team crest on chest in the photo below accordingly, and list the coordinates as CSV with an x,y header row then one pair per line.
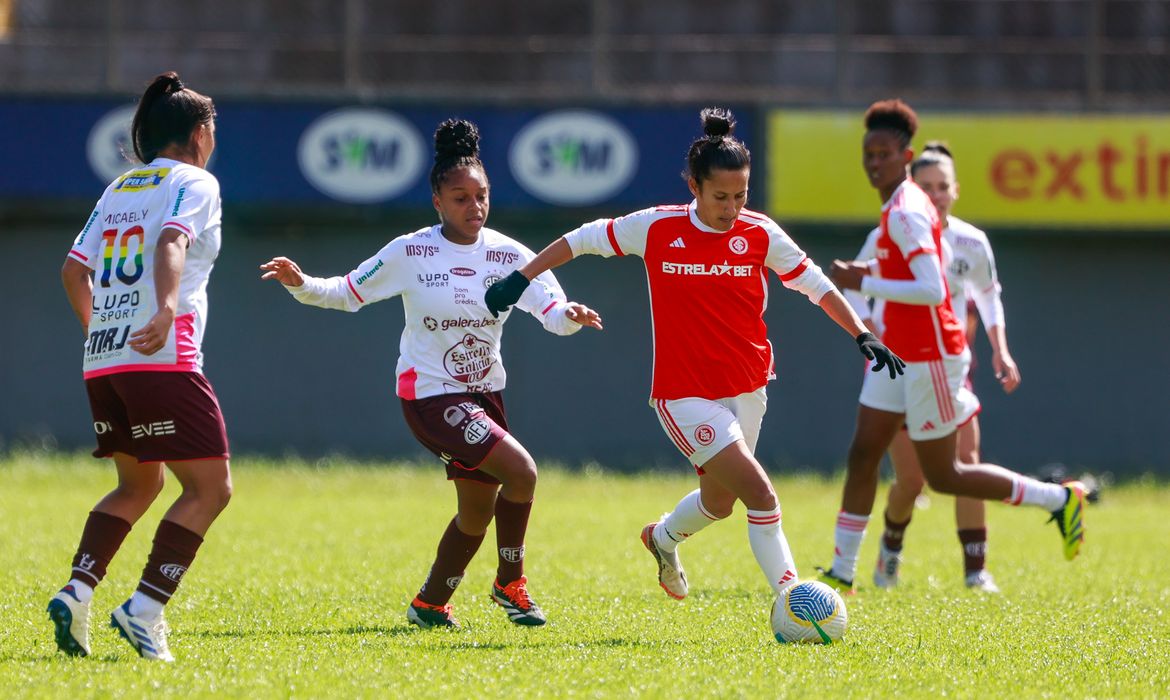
x,y
738,245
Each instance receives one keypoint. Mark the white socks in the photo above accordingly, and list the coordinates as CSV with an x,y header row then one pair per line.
x,y
847,537
82,590
771,548
1030,492
687,518
142,605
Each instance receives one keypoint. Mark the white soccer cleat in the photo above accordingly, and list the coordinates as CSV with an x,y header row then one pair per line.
x,y
671,576
148,637
70,619
981,581
885,575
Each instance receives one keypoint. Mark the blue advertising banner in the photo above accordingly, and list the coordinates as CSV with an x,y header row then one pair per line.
x,y
298,154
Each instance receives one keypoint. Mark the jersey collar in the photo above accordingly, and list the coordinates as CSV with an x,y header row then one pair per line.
x,y
693,213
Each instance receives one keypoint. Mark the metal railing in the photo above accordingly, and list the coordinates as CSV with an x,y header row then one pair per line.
x,y
1058,54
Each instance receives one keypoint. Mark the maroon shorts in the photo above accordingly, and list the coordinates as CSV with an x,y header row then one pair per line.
x,y
461,429
157,416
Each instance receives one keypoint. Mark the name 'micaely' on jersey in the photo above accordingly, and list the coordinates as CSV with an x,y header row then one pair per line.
x,y
910,227
708,292
450,343
118,243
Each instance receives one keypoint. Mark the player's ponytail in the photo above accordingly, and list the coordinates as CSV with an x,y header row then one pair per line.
x,y
167,113
717,149
456,146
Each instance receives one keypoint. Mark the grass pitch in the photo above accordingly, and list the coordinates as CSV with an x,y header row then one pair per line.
x,y
301,588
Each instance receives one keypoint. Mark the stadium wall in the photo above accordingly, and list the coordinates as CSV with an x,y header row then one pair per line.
x,y
1086,309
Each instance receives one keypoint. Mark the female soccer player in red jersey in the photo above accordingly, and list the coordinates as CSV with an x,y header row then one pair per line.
x,y
707,265
973,282
919,324
137,279
450,375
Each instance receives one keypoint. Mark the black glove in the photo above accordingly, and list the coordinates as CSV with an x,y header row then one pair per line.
x,y
873,349
501,295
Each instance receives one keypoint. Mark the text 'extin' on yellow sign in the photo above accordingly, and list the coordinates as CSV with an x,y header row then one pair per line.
x,y
1088,171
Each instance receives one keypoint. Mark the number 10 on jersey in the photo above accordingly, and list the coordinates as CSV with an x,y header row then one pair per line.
x,y
134,236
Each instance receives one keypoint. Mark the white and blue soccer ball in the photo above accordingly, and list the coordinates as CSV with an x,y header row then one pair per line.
x,y
809,612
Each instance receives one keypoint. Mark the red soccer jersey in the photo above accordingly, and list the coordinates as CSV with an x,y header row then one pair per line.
x,y
911,227
708,292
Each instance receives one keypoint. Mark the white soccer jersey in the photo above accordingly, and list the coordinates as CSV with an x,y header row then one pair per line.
x,y
118,244
970,272
451,343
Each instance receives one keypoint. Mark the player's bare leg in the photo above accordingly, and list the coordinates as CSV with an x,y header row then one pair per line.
x,y
971,518
736,470
989,481
904,492
513,466
459,543
105,530
875,430
207,488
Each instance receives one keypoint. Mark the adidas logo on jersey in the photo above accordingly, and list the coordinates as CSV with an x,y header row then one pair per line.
x,y
678,243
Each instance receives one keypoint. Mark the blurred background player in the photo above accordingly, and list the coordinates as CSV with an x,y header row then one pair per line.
x,y
706,266
919,324
973,284
450,374
137,279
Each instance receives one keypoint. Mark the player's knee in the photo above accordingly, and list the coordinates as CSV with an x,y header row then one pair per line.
x,y
142,491
521,477
944,481
760,497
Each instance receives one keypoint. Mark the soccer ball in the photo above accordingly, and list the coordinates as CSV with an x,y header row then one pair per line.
x,y
809,612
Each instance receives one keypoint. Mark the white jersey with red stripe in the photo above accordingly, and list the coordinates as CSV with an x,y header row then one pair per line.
x,y
451,342
708,292
118,243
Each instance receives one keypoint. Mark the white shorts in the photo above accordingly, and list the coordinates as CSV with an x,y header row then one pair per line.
x,y
931,394
700,428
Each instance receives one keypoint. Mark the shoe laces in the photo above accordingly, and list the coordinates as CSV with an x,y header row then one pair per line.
x,y
517,592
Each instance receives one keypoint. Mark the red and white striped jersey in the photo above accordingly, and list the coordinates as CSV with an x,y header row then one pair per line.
x,y
708,292
118,244
911,227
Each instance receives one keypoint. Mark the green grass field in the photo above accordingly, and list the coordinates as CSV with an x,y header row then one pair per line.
x,y
301,587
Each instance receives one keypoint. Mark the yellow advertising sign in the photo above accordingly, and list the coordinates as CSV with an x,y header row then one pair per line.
x,y
1040,170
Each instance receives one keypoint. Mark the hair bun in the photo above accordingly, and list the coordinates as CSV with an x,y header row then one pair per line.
x,y
717,122
937,147
456,138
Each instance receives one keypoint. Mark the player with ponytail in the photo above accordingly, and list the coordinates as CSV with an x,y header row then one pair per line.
x,y
707,267
136,278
